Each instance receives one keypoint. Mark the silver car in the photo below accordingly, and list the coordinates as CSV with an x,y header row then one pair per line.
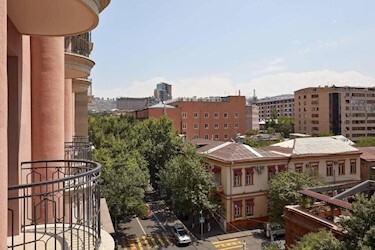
x,y
181,234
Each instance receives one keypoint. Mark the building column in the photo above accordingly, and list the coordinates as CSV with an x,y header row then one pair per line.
x,y
47,84
81,114
3,124
68,110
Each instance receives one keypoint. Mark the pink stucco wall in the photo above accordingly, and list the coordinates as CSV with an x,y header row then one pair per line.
x,y
3,121
47,58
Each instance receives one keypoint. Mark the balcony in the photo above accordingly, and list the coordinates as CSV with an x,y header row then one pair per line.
x,y
78,150
81,84
77,51
55,17
57,206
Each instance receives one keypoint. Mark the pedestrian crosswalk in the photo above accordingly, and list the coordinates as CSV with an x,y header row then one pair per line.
x,y
231,244
150,241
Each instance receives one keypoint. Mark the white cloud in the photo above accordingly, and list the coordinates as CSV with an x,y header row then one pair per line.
x,y
287,83
321,45
221,85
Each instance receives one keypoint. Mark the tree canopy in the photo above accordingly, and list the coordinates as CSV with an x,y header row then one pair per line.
x,y
188,182
283,190
322,240
359,226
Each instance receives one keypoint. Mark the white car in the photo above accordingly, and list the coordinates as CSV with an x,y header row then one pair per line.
x,y
181,234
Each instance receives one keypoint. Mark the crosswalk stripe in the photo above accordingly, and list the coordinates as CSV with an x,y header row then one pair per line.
x,y
139,243
145,242
166,238
234,247
151,238
224,241
160,240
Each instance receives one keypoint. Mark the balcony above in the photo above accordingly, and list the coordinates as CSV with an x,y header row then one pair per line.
x,y
103,4
81,84
55,17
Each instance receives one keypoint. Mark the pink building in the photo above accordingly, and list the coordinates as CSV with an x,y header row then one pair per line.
x,y
44,65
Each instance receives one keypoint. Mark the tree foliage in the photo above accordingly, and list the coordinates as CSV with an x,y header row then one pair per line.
x,y
188,182
365,142
322,240
282,125
283,190
359,226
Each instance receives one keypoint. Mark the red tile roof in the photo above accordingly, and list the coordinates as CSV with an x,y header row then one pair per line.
x,y
368,153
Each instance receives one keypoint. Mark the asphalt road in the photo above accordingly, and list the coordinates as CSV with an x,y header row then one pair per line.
x,y
156,233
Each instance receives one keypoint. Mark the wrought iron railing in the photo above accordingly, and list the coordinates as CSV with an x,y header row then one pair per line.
x,y
57,206
79,149
79,44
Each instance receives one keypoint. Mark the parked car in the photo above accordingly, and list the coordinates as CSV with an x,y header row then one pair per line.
x,y
181,234
274,229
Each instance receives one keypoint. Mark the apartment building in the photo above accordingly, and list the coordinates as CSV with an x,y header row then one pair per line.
x,y
241,173
349,111
134,103
45,90
252,117
280,106
216,118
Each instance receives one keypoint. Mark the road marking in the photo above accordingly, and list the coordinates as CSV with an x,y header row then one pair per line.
x,y
158,221
160,240
228,244
141,226
139,243
144,238
166,238
151,238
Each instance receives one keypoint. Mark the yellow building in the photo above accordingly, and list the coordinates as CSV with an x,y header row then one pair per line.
x,y
241,173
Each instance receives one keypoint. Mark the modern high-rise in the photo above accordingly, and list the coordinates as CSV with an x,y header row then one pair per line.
x,y
279,106
163,92
349,111
49,191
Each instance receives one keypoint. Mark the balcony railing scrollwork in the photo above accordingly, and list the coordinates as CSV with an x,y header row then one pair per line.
x,y
57,206
79,149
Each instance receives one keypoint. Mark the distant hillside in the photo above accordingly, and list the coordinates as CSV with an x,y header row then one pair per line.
x,y
100,104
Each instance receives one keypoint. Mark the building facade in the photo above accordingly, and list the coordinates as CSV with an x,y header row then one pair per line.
x,y
216,118
241,173
279,106
133,103
252,117
163,92
349,111
45,90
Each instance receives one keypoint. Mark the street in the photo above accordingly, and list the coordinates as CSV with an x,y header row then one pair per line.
x,y
156,233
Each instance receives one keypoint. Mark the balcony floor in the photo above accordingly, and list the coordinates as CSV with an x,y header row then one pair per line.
x,y
46,238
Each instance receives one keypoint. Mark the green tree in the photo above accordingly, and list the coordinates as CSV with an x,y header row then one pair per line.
x,y
365,142
124,176
285,126
283,190
188,182
322,240
359,226
157,142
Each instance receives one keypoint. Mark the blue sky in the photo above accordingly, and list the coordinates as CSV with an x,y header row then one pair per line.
x,y
218,47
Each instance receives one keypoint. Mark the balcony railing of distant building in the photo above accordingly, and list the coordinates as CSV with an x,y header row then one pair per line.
x,y
56,206
89,90
79,149
79,44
